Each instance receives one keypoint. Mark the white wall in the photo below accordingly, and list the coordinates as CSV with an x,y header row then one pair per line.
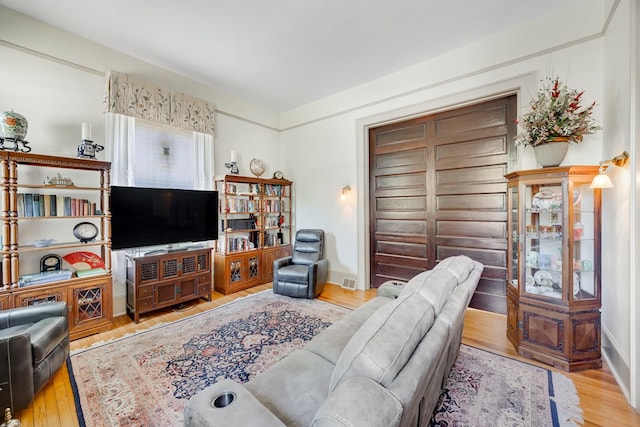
x,y
616,202
325,143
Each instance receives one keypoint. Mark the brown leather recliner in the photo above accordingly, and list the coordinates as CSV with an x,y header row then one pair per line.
x,y
34,344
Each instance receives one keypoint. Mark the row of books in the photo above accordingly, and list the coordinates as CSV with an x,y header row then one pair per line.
x,y
240,205
44,277
237,224
274,205
272,190
36,205
235,244
269,189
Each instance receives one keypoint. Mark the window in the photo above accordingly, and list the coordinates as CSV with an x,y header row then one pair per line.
x,y
163,156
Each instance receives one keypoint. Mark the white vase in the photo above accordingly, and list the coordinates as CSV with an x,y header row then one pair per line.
x,y
551,153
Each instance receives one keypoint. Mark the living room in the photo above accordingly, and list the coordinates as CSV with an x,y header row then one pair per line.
x,y
56,79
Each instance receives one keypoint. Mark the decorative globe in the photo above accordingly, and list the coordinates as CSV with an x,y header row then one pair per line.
x,y
13,125
257,167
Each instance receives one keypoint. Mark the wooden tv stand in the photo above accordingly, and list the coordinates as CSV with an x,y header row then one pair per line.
x,y
163,279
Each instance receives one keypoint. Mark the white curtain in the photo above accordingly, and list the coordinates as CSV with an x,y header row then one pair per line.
x,y
204,161
120,147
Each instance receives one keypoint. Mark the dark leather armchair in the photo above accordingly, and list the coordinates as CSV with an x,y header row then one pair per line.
x,y
34,344
304,273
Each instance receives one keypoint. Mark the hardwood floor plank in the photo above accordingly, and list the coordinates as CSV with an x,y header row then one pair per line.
x,y
601,399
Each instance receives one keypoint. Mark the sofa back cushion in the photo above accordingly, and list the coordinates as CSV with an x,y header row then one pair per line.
x,y
434,285
384,343
460,266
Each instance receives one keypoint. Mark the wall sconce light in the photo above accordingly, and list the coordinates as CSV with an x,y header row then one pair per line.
x,y
602,180
345,192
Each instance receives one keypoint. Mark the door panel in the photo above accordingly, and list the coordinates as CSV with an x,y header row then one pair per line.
x,y
437,189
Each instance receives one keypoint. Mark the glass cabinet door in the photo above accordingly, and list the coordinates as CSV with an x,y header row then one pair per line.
x,y
583,275
542,252
514,242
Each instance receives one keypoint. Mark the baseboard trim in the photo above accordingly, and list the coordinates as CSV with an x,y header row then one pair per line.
x,y
617,364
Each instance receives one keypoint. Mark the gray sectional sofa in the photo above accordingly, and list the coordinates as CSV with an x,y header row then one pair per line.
x,y
383,365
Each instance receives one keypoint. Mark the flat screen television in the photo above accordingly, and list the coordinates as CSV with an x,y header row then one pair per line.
x,y
160,216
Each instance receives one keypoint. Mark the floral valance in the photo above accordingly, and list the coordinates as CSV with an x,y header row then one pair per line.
x,y
132,97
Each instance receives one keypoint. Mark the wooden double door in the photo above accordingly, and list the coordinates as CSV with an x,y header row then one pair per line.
x,y
437,189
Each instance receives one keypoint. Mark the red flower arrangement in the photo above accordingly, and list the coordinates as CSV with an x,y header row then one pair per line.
x,y
556,112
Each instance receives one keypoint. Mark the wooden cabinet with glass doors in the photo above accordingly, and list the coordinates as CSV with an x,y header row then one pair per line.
x,y
255,229
553,268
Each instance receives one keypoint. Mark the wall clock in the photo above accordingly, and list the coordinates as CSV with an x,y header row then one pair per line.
x,y
85,231
50,262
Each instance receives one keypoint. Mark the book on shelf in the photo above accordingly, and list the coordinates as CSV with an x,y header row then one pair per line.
x,y
36,204
90,272
43,205
67,206
20,203
53,205
44,277
28,204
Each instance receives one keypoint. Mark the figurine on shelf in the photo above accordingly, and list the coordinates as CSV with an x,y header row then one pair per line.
x,y
58,180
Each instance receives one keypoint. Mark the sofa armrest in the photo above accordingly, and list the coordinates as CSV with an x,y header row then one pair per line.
x,y
214,407
16,372
32,314
318,271
391,288
281,262
375,406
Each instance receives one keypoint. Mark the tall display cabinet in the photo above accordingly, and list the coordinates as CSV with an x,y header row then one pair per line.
x,y
553,273
255,230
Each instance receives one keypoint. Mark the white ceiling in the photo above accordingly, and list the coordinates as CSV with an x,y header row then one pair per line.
x,y
285,53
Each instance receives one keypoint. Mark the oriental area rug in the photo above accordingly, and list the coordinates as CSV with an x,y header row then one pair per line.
x,y
145,379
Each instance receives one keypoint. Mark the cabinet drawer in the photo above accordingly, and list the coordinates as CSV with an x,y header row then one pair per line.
x,y
204,278
145,304
145,292
204,288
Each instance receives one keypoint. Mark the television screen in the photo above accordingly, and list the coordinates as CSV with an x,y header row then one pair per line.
x,y
158,216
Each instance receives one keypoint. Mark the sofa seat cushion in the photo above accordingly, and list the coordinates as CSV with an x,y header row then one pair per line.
x,y
434,285
384,343
294,388
294,273
460,266
330,342
46,335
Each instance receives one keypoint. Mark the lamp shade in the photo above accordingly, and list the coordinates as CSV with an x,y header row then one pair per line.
x,y
601,180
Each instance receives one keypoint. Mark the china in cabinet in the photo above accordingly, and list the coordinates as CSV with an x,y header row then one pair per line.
x,y
255,229
553,285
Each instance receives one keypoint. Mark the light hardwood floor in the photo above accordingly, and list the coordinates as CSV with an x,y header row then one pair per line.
x,y
600,397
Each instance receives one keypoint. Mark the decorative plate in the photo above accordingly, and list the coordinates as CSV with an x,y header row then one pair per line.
x,y
543,278
42,243
257,167
546,199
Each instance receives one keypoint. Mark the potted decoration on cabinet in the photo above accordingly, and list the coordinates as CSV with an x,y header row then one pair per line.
x,y
556,119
